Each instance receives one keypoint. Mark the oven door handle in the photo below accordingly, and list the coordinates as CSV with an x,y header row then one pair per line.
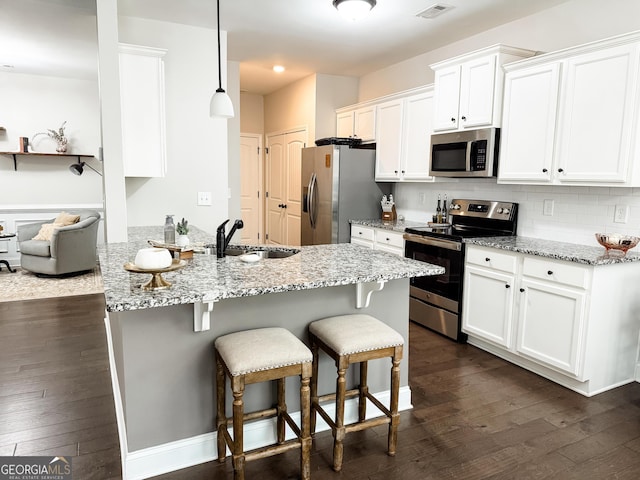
x,y
434,242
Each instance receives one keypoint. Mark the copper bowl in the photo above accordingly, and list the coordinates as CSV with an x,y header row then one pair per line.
x,y
617,242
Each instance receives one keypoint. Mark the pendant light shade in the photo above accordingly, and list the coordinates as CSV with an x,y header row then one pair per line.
x,y
354,9
220,105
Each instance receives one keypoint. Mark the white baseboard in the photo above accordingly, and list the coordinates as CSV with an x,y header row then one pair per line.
x,y
192,451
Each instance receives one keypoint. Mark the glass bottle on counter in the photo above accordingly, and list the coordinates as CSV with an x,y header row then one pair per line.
x,y
445,212
439,211
169,231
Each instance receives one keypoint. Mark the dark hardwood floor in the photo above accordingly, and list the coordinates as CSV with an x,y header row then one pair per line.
x,y
475,416
55,386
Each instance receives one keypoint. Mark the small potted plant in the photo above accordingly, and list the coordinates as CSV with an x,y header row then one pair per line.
x,y
183,230
58,136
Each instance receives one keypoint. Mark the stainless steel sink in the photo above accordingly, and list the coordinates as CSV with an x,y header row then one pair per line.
x,y
263,252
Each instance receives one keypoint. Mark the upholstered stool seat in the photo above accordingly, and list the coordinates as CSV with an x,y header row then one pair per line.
x,y
254,356
355,339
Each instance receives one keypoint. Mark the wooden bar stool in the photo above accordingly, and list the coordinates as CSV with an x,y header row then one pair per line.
x,y
355,339
254,356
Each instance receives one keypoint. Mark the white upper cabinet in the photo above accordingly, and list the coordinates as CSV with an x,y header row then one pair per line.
x,y
403,137
570,117
357,122
468,88
528,123
142,110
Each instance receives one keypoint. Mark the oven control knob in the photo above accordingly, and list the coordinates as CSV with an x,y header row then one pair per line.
x,y
455,206
503,210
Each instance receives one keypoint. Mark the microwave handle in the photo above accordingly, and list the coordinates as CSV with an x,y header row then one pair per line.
x,y
471,148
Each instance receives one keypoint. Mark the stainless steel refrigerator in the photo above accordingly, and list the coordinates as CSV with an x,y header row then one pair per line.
x,y
337,186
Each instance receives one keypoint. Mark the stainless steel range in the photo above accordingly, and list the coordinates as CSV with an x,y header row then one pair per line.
x,y
436,302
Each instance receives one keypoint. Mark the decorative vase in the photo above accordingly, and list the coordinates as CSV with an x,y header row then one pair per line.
x,y
62,147
182,240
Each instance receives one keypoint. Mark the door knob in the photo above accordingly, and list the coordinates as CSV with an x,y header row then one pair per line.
x,y
544,170
453,120
560,170
464,118
522,289
549,272
507,286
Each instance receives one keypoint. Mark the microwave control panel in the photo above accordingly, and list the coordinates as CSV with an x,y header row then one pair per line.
x,y
478,155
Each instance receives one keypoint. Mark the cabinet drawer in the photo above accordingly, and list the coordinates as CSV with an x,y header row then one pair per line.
x,y
363,233
560,272
492,258
386,237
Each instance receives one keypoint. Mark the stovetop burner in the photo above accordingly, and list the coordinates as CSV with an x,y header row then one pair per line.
x,y
474,218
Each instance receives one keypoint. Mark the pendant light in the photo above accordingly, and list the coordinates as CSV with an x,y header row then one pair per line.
x,y
220,105
354,9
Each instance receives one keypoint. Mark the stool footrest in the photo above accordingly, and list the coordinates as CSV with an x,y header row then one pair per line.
x,y
378,404
373,422
332,396
264,452
268,412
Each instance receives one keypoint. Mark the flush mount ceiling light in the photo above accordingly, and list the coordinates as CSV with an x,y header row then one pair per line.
x,y
278,68
220,105
78,168
354,9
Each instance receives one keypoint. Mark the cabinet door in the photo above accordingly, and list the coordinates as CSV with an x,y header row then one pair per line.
x,y
447,97
596,116
389,140
344,124
364,123
477,88
142,111
529,123
488,305
551,325
417,129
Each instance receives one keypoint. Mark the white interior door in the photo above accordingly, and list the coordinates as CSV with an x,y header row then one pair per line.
x,y
276,189
251,191
284,190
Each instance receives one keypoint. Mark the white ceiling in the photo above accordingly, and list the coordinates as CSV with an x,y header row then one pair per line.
x,y
305,36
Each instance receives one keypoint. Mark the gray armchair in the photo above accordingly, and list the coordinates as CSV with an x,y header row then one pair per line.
x,y
72,248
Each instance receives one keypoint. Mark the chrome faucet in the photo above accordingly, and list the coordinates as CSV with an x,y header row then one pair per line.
x,y
222,242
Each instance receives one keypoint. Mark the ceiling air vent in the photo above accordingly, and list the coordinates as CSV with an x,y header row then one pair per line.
x,y
434,10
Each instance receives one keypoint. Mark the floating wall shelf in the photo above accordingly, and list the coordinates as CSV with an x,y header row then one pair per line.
x,y
27,154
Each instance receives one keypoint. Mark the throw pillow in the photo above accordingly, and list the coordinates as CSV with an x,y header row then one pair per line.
x,y
46,231
65,219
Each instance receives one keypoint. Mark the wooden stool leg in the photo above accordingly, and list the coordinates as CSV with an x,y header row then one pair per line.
x,y
395,393
364,389
339,432
305,431
237,384
221,416
314,385
282,408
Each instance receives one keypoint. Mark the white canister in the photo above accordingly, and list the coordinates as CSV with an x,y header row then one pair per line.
x,y
153,258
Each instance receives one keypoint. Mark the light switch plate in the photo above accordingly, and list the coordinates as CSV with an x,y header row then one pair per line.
x,y
204,198
547,207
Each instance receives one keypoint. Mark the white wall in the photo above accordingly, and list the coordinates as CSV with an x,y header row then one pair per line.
x,y
197,150
35,103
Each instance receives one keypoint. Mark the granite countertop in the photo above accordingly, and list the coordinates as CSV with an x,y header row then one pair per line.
x,y
570,252
210,278
397,226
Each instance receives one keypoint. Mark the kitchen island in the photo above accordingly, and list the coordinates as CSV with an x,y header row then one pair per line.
x,y
161,342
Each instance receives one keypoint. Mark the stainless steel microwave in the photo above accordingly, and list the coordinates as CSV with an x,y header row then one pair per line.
x,y
471,153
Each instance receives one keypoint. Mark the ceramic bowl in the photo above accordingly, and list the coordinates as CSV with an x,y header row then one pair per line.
x,y
153,258
615,241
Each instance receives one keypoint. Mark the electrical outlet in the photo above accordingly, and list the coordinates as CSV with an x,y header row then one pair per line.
x,y
621,214
204,198
422,197
547,207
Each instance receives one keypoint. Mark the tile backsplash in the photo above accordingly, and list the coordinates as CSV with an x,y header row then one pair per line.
x,y
578,212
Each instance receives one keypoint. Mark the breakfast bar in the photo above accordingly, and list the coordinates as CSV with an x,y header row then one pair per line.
x,y
162,354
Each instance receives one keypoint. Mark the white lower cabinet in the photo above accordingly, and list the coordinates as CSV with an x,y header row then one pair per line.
x,y
378,239
575,324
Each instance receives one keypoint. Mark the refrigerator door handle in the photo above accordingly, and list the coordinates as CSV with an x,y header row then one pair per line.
x,y
313,200
307,199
